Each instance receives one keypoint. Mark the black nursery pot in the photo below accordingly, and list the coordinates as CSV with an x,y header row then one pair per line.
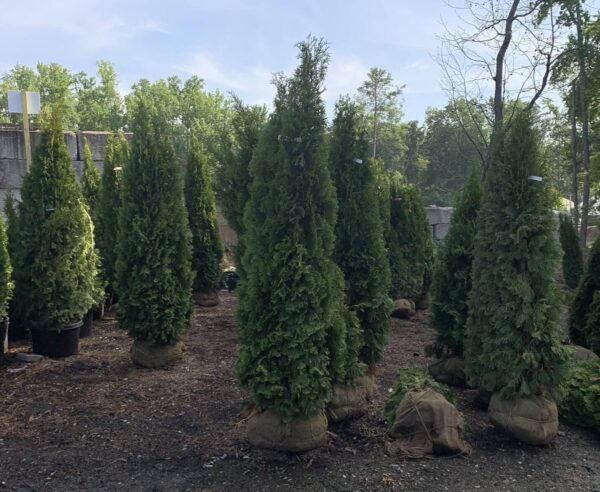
x,y
57,343
86,327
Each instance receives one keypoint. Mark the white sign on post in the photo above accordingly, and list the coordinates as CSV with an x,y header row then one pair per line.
x,y
15,102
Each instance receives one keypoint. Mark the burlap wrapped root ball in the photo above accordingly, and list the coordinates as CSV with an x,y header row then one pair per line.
x,y
269,430
530,419
427,423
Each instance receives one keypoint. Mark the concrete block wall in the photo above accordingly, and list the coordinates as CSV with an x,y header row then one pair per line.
x,y
439,220
12,156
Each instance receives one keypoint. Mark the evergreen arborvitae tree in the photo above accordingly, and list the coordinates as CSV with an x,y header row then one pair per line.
x,y
154,276
452,273
90,182
207,251
16,308
410,242
290,310
359,248
584,299
6,284
109,204
55,260
513,342
572,259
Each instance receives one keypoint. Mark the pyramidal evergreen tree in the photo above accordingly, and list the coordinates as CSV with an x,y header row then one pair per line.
x,y
207,251
109,205
16,310
452,272
290,314
581,322
6,283
410,243
55,259
90,182
154,276
572,259
513,341
359,247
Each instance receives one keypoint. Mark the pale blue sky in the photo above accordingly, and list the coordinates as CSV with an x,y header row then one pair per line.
x,y
234,45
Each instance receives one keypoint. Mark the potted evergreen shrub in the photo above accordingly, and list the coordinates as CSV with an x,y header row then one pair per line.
x,y
55,266
360,247
291,325
513,345
18,326
154,276
207,251
6,287
90,187
109,205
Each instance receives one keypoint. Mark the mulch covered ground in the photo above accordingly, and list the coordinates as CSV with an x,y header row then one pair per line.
x,y
97,422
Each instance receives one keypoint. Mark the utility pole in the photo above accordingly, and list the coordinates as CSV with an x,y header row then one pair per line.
x,y
26,103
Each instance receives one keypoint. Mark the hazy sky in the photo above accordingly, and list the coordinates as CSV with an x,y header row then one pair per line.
x,y
234,45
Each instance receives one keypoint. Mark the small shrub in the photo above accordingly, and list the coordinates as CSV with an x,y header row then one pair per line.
x,y
580,403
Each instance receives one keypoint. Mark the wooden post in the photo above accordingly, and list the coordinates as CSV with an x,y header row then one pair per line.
x,y
26,136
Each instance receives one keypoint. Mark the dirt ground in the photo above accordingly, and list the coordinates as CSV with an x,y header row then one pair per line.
x,y
97,422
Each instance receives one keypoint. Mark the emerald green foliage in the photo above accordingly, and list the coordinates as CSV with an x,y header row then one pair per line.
x,y
584,297
233,176
290,311
382,183
513,340
6,284
55,261
207,251
154,276
410,242
580,403
109,204
572,259
90,182
16,308
412,379
592,324
452,273
359,248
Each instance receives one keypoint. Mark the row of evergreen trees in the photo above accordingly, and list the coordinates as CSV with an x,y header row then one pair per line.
x,y
127,231
495,298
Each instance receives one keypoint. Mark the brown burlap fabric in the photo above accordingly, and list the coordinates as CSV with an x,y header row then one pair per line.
x,y
155,356
449,370
348,402
427,423
267,430
367,385
530,419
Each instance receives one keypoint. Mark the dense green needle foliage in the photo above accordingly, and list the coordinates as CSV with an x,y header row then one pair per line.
x,y
16,308
6,283
580,402
410,243
581,325
55,261
360,248
207,251
291,318
117,155
452,273
154,254
513,343
572,259
90,183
